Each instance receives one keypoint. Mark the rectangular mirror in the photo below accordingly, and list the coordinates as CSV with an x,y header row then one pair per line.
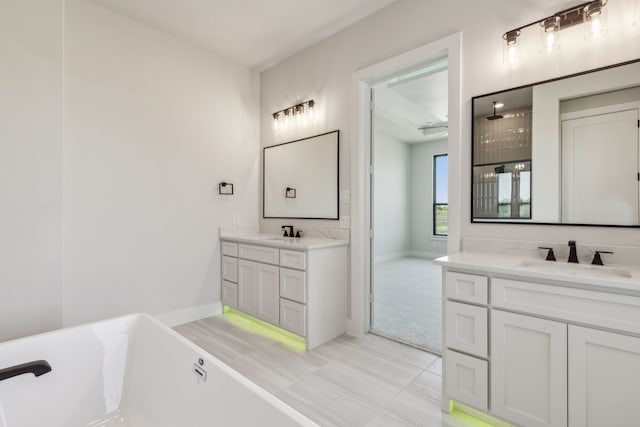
x,y
300,178
563,151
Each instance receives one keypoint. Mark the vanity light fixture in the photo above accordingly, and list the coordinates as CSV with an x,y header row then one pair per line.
x,y
592,13
299,112
225,188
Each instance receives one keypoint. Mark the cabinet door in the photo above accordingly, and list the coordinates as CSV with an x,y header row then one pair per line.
x,y
248,287
293,317
229,295
604,378
230,269
293,285
466,379
268,293
466,328
528,370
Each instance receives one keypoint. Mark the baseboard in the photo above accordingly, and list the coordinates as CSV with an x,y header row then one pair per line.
x,y
190,314
426,255
391,257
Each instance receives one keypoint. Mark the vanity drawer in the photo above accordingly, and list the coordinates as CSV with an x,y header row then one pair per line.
x,y
467,328
230,269
467,287
229,248
229,294
293,285
259,253
293,317
621,312
293,259
467,379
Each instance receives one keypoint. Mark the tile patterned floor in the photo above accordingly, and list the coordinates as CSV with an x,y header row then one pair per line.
x,y
346,382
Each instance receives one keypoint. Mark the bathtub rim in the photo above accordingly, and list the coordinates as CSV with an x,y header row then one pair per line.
x,y
289,411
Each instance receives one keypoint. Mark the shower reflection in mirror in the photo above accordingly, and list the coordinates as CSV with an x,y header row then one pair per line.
x,y
502,157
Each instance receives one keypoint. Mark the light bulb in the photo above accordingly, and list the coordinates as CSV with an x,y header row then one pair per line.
x,y
596,14
311,109
511,49
549,34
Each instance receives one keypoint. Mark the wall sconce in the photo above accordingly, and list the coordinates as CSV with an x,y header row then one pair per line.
x,y
592,13
225,188
299,112
290,193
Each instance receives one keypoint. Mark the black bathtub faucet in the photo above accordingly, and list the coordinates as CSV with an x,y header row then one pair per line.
x,y
37,368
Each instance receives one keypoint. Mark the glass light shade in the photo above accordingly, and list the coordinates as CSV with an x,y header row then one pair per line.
x,y
595,25
511,48
511,53
550,35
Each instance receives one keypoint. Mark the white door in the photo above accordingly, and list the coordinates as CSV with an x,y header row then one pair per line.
x,y
528,370
268,286
600,169
604,378
248,287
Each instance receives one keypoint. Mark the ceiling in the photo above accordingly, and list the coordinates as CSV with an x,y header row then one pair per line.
x,y
255,33
416,99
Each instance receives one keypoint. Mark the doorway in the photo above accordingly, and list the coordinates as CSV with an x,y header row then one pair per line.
x,y
409,203
600,182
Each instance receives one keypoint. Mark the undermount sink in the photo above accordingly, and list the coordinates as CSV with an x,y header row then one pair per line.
x,y
584,270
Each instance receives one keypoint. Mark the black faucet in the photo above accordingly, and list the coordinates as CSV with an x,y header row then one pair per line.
x,y
550,255
573,255
597,259
37,368
290,227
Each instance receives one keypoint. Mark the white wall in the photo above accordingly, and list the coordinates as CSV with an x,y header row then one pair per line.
x,y
151,126
423,243
324,72
30,166
391,198
111,148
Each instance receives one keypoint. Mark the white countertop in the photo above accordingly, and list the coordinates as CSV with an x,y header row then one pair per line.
x,y
300,244
618,278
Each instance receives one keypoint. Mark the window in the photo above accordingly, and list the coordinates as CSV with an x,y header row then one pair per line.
x,y
440,194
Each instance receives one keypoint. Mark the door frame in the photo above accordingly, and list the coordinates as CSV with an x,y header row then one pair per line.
x,y
360,135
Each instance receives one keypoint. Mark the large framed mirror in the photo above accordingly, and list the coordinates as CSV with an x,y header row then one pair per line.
x,y
300,178
562,151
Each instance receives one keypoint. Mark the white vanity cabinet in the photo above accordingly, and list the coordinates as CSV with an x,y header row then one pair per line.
x,y
466,339
541,353
604,378
258,293
301,291
528,370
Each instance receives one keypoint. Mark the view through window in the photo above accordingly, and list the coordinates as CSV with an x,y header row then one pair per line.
x,y
440,194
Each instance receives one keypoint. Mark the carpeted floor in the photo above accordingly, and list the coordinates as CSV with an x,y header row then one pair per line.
x,y
407,302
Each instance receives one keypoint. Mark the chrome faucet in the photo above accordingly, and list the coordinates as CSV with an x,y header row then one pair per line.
x,y
573,254
290,227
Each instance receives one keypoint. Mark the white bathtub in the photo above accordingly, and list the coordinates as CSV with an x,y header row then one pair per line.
x,y
130,371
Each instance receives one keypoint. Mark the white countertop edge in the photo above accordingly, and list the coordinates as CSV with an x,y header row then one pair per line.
x,y
510,265
300,244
